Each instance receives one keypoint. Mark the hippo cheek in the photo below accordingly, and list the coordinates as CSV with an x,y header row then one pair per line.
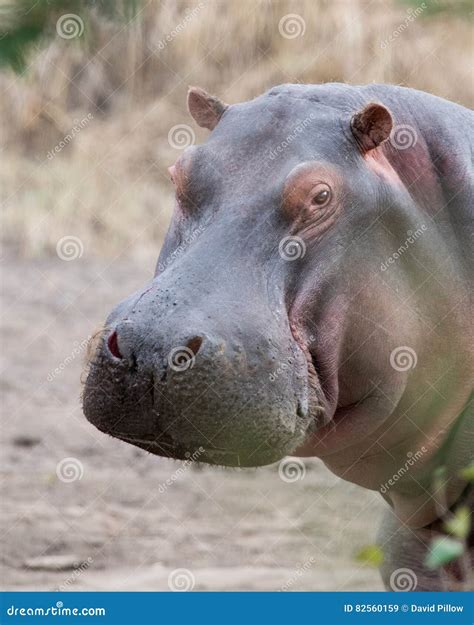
x,y
240,399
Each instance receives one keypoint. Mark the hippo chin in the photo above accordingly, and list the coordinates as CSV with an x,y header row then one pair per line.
x,y
311,298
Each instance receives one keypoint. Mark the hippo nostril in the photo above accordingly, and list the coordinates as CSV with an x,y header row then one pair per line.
x,y
194,344
112,344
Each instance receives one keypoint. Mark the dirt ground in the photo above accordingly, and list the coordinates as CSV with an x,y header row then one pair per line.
x,y
81,511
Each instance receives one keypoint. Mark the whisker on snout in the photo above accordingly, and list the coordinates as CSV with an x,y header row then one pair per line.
x,y
91,350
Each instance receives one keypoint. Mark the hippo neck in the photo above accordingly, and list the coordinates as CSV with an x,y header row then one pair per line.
x,y
405,475
421,498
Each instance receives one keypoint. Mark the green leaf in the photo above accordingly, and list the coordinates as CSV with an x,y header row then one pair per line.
x,y
13,46
442,551
460,523
467,473
370,554
439,478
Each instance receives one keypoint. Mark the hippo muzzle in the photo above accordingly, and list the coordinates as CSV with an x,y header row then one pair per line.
x,y
182,369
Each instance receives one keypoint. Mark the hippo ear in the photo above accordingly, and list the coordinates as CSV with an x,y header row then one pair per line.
x,y
371,126
206,109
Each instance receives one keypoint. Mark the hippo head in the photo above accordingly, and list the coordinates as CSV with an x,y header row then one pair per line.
x,y
233,353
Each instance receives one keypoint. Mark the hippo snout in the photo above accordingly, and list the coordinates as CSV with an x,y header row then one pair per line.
x,y
174,384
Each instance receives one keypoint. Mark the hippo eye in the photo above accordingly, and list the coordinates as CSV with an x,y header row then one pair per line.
x,y
322,196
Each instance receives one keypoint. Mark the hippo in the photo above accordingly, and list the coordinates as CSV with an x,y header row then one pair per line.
x,y
312,298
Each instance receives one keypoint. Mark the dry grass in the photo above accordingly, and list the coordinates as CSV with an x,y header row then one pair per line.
x,y
108,186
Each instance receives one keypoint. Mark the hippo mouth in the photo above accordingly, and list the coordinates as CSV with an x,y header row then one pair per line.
x,y
165,447
245,426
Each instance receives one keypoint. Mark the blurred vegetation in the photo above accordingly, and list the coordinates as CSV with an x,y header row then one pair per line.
x,y
371,555
468,473
122,82
449,7
26,23
452,546
446,547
